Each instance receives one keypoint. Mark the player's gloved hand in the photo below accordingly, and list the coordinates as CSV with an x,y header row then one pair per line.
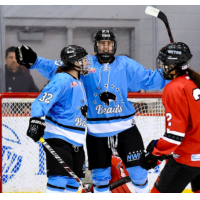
x,y
36,128
148,160
25,56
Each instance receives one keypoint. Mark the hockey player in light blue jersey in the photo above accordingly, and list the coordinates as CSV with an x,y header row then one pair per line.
x,y
63,101
110,118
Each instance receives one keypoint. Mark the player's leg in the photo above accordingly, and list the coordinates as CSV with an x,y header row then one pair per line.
x,y
130,147
174,177
195,183
57,175
78,157
56,184
99,159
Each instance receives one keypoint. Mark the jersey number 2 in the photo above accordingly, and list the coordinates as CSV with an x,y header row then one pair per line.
x,y
196,94
46,100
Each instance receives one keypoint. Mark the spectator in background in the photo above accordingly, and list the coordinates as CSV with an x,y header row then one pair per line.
x,y
17,80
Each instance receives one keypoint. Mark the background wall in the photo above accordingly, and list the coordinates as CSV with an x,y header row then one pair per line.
x,y
138,35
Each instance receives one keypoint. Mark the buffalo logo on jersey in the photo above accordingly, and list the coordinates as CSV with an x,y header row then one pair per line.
x,y
84,111
74,84
106,97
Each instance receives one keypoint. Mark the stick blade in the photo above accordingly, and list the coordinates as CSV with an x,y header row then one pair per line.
x,y
152,11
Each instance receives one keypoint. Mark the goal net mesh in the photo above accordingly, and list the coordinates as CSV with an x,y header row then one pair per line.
x,y
24,161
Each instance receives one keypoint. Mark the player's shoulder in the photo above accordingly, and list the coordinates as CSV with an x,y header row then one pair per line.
x,y
126,60
178,83
123,57
62,78
176,88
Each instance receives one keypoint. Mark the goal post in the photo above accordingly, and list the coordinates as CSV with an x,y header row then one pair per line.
x,y
23,162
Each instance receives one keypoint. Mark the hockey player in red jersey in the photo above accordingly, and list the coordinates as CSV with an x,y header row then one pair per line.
x,y
181,141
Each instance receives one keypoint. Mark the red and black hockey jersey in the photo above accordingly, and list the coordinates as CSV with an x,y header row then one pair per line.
x,y
181,98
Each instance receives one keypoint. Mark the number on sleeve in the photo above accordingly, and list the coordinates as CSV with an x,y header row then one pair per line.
x,y
46,97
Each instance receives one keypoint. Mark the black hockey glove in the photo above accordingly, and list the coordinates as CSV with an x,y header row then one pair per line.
x,y
36,128
148,160
25,56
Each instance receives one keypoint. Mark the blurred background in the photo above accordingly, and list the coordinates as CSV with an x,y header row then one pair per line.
x,y
47,29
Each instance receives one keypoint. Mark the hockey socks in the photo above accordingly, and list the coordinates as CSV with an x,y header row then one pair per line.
x,y
101,179
61,184
139,179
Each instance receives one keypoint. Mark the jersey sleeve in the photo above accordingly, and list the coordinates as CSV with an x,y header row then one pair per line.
x,y
47,68
51,93
141,78
177,117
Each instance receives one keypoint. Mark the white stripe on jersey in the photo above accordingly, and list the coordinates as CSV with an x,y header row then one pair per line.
x,y
176,133
79,138
109,127
171,140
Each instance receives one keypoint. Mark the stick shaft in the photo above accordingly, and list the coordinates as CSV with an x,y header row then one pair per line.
x,y
59,159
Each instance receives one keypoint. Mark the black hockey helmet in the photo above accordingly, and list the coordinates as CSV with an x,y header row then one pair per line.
x,y
71,54
104,35
174,57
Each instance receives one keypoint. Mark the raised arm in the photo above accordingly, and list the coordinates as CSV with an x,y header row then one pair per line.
x,y
141,78
27,57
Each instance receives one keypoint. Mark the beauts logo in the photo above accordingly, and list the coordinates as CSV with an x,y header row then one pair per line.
x,y
101,110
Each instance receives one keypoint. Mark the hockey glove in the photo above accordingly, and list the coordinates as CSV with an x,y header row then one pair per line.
x,y
25,56
36,128
148,160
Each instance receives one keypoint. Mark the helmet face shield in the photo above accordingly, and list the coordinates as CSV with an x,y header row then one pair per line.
x,y
173,60
167,71
86,65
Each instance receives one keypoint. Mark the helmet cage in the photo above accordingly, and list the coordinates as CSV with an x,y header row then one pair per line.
x,y
104,35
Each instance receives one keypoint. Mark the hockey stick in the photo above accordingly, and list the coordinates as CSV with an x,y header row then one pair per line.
x,y
159,14
119,182
59,159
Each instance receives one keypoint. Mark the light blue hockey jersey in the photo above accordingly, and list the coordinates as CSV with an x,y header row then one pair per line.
x,y
63,101
107,86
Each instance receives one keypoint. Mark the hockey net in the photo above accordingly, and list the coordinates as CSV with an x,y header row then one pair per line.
x,y
23,161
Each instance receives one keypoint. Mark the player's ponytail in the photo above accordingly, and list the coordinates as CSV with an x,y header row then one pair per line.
x,y
62,69
195,77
